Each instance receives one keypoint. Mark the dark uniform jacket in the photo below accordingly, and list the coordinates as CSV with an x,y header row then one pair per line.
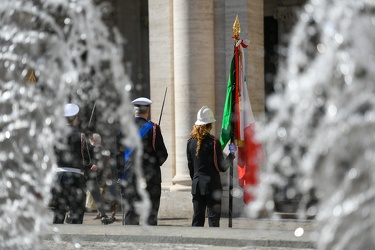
x,y
154,154
206,167
71,153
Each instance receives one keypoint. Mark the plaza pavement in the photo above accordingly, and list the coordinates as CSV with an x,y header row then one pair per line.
x,y
174,231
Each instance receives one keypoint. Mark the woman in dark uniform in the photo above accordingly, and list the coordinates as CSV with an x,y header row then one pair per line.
x,y
205,162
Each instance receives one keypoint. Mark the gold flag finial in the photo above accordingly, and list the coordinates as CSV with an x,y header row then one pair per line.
x,y
236,27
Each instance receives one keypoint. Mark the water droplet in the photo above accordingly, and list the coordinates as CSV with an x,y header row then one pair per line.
x,y
79,9
304,104
67,21
44,166
311,211
68,79
12,67
143,183
291,193
236,192
339,38
281,132
299,232
25,149
270,205
348,79
128,87
321,48
337,211
216,194
352,173
24,72
111,120
309,8
292,85
46,158
304,17
344,68
332,110
295,98
48,121
35,157
42,35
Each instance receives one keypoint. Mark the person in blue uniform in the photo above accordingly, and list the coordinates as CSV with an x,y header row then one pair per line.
x,y
154,155
205,162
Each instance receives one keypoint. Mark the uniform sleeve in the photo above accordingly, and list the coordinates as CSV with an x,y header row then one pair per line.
x,y
190,160
223,164
160,149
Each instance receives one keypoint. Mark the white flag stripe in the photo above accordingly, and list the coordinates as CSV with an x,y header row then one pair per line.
x,y
246,113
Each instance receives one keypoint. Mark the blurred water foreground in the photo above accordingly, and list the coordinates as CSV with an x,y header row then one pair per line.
x,y
51,52
322,127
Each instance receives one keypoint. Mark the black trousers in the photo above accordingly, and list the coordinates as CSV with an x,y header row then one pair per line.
x,y
69,196
132,216
154,192
201,203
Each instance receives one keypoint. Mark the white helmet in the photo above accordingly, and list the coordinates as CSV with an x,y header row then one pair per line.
x,y
205,116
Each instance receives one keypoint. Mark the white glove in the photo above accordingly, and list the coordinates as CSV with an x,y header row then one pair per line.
x,y
232,148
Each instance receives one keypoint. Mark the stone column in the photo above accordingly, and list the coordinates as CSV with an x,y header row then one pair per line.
x,y
255,57
161,77
194,81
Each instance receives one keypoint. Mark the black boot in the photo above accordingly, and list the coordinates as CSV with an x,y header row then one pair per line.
x,y
105,220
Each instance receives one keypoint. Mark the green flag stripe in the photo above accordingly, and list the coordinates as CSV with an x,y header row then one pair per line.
x,y
227,126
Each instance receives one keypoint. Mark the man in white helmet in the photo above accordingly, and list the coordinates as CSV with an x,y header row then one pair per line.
x,y
205,162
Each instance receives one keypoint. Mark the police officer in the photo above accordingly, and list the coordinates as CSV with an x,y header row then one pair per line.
x,y
73,159
205,162
154,155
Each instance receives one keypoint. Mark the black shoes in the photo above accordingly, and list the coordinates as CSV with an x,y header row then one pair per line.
x,y
105,220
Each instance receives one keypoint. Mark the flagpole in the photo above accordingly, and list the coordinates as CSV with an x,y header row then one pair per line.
x,y
236,31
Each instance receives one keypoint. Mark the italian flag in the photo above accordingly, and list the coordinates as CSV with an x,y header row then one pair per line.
x,y
238,124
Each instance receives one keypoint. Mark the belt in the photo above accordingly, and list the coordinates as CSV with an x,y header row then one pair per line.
x,y
71,170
